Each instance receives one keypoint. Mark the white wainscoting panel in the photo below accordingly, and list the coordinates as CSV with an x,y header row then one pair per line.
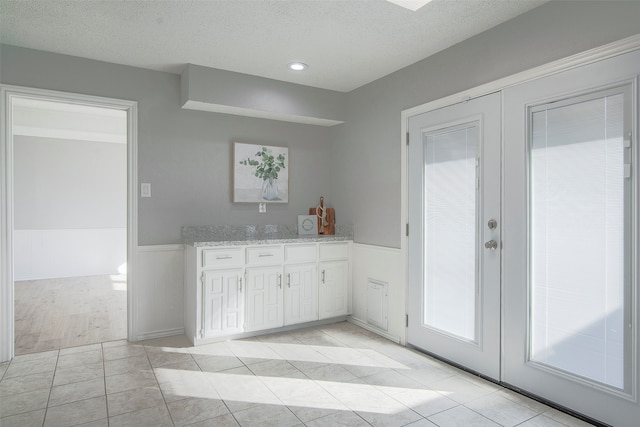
x,y
380,264
159,291
49,254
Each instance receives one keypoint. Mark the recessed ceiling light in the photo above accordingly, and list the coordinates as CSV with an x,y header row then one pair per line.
x,y
413,5
298,66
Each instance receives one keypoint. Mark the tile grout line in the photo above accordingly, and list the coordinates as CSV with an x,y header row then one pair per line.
x,y
104,378
263,383
153,369
221,399
53,378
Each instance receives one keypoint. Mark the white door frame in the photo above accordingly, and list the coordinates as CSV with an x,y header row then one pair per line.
x,y
593,55
7,94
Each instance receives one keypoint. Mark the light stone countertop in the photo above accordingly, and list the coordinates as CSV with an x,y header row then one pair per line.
x,y
234,235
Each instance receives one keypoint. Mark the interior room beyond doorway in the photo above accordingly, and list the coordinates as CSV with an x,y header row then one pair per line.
x,y
70,224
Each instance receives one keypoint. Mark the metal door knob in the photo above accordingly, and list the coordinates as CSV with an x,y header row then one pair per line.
x,y
491,245
492,224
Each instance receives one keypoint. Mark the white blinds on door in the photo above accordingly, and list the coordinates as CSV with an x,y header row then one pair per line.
x,y
450,230
577,203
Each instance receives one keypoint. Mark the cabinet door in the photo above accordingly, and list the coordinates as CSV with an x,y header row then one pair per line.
x,y
222,302
333,289
264,298
300,293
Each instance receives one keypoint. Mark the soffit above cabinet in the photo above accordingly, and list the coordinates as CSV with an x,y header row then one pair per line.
x,y
220,91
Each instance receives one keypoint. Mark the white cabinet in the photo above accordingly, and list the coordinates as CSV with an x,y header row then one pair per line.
x,y
222,258
265,255
237,289
281,295
264,298
222,302
300,293
333,289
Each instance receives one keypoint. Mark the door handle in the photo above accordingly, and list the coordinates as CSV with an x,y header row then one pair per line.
x,y
289,279
491,245
280,281
240,283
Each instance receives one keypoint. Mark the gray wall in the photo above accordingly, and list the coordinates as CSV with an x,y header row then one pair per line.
x,y
366,149
63,184
184,154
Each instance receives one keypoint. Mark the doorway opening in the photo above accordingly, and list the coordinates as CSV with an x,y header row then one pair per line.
x,y
70,224
68,220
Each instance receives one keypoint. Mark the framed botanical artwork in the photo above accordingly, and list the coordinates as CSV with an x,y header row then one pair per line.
x,y
260,173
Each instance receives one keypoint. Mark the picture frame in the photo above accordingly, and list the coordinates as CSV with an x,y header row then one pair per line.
x,y
260,173
307,224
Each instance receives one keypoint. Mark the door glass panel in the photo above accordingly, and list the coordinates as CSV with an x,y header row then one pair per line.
x,y
577,237
450,183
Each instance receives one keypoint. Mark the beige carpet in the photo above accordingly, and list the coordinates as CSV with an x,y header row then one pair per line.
x,y
58,313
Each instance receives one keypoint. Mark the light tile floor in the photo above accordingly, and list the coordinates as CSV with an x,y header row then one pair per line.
x,y
332,375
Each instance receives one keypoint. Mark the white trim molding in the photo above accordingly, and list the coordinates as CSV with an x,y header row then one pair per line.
x,y
7,94
578,60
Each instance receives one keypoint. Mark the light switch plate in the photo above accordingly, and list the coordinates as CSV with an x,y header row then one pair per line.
x,y
145,189
262,208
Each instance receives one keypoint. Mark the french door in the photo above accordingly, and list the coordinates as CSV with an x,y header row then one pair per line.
x,y
570,235
523,250
454,244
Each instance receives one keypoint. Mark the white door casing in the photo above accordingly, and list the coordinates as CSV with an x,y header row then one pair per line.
x,y
8,94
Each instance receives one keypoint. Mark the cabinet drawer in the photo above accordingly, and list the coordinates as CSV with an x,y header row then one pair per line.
x,y
220,258
300,253
261,255
334,251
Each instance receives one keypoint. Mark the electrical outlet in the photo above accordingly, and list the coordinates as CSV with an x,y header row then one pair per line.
x,y
262,208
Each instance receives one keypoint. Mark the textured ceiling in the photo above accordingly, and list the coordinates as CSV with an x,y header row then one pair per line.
x,y
346,43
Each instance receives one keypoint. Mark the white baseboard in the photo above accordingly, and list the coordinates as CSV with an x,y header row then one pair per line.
x,y
160,334
371,328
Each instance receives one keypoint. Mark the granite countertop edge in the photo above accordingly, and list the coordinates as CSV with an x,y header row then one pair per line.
x,y
271,241
244,235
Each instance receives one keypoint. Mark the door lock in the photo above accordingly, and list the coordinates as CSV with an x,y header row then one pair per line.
x,y
491,245
492,224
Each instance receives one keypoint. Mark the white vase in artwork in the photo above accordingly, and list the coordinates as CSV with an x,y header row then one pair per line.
x,y
270,189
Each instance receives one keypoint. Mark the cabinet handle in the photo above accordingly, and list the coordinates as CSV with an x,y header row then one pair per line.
x,y
280,281
289,279
240,283
264,255
323,274
224,257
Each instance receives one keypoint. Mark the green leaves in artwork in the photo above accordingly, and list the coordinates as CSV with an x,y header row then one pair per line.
x,y
268,167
